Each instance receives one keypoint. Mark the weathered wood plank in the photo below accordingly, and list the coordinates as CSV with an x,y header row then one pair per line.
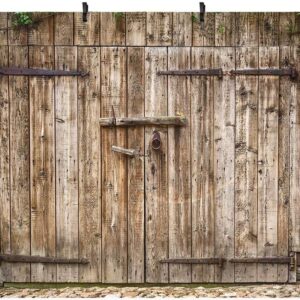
x,y
89,164
284,164
5,222
268,164
64,29
202,162
156,185
225,30
20,163
182,29
66,163
136,181
16,36
136,29
114,167
289,29
113,29
204,35
246,165
224,135
3,29
87,33
179,169
247,29
159,29
42,33
42,163
294,208
268,29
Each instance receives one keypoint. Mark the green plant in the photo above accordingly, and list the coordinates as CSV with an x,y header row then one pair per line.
x,y
221,29
118,15
22,19
194,18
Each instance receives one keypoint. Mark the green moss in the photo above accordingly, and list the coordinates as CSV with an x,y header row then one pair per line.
x,y
22,19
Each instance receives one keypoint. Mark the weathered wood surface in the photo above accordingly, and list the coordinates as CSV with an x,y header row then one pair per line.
x,y
223,185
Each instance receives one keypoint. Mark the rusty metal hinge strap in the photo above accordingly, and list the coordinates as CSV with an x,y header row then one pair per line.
x,y
13,71
41,259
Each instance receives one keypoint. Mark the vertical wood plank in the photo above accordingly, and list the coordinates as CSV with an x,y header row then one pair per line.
x,y
182,29
64,29
202,165
159,29
284,163
289,28
225,30
87,33
66,163
294,208
179,172
203,35
114,167
247,29
42,33
268,164
89,164
224,135
136,29
20,163
3,27
268,29
5,222
136,108
42,163
113,29
156,185
16,36
246,165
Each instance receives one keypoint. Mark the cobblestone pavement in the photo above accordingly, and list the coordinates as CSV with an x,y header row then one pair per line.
x,y
151,292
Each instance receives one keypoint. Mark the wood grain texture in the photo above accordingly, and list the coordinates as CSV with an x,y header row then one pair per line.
x,y
3,27
113,29
16,36
136,165
89,164
294,226
268,29
179,169
203,35
268,163
289,28
42,163
64,29
136,29
224,136
159,29
42,33
114,167
247,29
225,29
19,163
182,29
202,165
87,33
246,165
66,168
5,191
156,180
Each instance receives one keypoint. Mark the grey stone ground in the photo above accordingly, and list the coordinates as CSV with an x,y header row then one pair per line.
x,y
151,292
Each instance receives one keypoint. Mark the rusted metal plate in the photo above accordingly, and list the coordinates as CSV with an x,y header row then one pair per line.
x,y
40,259
13,71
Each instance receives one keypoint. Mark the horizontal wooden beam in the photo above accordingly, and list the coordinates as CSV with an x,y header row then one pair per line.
x,y
41,259
209,261
161,120
129,152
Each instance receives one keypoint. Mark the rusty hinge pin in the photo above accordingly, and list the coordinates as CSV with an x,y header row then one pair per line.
x,y
13,71
198,72
12,258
